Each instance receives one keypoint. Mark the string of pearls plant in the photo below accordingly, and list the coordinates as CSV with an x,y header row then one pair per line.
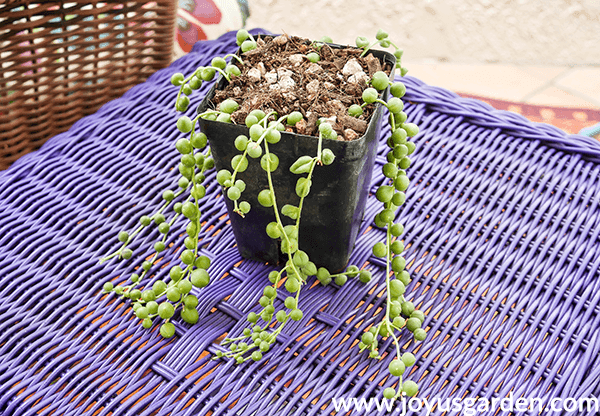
x,y
160,301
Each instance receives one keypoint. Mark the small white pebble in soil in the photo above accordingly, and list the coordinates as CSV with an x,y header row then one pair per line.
x,y
351,67
274,87
337,106
359,78
281,40
314,68
350,134
286,83
301,126
271,77
296,59
313,87
261,68
328,85
254,74
282,73
331,120
289,96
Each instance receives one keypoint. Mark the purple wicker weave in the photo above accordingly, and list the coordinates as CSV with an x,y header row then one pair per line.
x,y
502,229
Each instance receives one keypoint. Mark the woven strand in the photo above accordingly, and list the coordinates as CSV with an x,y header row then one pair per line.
x,y
63,60
502,233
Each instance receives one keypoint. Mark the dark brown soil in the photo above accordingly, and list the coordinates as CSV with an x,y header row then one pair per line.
x,y
277,76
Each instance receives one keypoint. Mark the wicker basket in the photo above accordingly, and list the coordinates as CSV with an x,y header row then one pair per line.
x,y
61,60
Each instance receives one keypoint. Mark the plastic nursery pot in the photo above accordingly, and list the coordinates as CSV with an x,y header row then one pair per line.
x,y
334,208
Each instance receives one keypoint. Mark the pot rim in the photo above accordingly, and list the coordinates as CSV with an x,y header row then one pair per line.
x,y
385,57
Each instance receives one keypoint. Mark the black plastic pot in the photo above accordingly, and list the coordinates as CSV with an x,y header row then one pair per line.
x,y
333,210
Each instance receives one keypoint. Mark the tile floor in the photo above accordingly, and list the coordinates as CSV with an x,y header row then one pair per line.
x,y
557,86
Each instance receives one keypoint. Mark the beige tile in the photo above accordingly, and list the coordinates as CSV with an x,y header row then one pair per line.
x,y
546,73
504,82
582,81
557,97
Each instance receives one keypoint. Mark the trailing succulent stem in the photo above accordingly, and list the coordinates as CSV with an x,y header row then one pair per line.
x,y
264,132
163,298
381,38
176,293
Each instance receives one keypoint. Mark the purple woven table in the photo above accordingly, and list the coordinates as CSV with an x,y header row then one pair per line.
x,y
502,225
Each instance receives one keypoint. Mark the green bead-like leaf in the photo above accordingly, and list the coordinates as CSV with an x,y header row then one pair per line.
x,y
327,157
302,165
273,230
381,34
411,129
380,80
228,106
248,45
218,62
313,57
241,142
294,117
300,258
239,163
362,42
384,193
241,36
290,211
184,124
254,150
289,248
303,187
207,74
273,162
398,89
265,198
223,175
177,79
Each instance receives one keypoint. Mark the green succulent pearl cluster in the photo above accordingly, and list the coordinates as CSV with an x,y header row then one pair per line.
x,y
161,300
264,132
400,313
382,39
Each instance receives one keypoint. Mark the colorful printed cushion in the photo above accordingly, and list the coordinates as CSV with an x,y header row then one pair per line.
x,y
207,19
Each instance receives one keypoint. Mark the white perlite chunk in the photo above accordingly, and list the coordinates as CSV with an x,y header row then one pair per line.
x,y
281,40
296,59
290,96
350,135
271,77
328,85
261,68
358,78
351,67
313,87
286,83
337,106
331,120
314,68
254,74
282,73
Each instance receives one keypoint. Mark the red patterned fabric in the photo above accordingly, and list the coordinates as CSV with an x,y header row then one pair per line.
x,y
207,19
570,120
